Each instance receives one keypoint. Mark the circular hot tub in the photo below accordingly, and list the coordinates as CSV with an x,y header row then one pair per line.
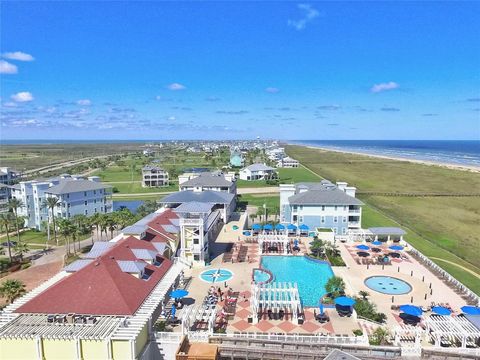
x,y
388,285
216,275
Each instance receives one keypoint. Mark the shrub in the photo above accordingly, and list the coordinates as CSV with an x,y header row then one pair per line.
x,y
162,326
357,332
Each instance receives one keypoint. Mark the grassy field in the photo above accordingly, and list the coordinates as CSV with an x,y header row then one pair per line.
x,y
37,239
287,176
444,227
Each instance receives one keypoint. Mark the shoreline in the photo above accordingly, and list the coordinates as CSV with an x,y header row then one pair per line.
x,y
469,168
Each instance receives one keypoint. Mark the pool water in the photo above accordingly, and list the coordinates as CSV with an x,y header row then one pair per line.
x,y
216,275
310,275
260,276
388,285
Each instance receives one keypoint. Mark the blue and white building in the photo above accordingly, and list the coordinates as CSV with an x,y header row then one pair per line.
x,y
322,205
76,196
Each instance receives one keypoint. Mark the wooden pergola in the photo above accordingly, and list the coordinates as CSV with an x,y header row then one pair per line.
x,y
279,240
451,330
276,297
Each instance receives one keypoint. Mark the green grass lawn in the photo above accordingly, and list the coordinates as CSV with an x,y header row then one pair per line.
x,y
38,238
136,188
287,176
448,226
271,201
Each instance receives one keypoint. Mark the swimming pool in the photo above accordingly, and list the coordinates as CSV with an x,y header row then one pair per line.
x,y
388,285
216,275
310,275
261,276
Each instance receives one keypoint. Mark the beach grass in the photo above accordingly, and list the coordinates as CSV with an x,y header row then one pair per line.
x,y
441,227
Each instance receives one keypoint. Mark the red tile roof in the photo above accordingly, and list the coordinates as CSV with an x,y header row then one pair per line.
x,y
157,232
100,288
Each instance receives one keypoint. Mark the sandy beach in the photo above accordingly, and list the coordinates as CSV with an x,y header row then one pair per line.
x,y
474,169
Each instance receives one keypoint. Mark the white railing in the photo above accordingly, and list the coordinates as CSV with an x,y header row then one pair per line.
x,y
457,351
316,339
168,337
411,350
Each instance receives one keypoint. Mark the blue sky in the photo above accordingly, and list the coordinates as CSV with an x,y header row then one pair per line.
x,y
221,70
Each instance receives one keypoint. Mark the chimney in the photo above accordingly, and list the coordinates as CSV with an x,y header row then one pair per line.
x,y
341,185
350,191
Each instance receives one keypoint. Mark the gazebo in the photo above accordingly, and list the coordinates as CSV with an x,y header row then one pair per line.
x,y
275,298
388,233
281,242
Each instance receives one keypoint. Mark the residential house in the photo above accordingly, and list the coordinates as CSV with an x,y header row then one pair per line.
x,y
257,172
208,181
154,176
288,162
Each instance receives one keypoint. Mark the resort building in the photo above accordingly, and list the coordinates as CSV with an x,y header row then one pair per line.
x,y
236,158
288,162
7,178
201,216
154,176
321,205
208,181
100,307
257,172
76,196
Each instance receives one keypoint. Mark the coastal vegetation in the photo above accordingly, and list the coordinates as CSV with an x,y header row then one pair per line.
x,y
399,193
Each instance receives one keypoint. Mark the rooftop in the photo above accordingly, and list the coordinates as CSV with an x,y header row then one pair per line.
x,y
208,179
194,207
322,193
71,186
259,167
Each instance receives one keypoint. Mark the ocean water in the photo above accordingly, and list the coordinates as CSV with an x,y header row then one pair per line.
x,y
455,152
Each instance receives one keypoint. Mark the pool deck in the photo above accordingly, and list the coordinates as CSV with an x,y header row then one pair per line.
x,y
426,287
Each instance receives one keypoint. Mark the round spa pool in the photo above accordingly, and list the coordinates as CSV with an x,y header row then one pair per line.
x,y
388,285
216,275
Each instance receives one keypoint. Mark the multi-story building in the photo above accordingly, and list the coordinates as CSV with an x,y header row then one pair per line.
x,y
321,205
7,178
153,176
208,181
75,194
288,162
257,172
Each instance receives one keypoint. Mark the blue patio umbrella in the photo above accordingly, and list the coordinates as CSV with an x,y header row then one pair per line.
x,y
321,308
279,227
247,233
363,247
268,227
344,301
440,310
256,227
291,227
173,311
377,243
396,247
411,310
303,227
471,310
179,293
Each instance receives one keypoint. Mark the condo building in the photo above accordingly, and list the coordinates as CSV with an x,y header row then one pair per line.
x,y
154,176
322,205
76,195
7,178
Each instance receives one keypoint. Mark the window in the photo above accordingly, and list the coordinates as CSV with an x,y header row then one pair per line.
x,y
335,219
300,207
345,208
344,219
196,241
84,193
196,257
294,207
344,231
322,219
295,217
94,192
86,202
300,218
323,207
336,208
95,210
86,212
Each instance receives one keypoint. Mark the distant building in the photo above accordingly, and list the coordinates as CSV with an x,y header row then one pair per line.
x,y
76,196
154,176
214,181
148,152
236,158
288,162
276,153
321,205
257,172
7,178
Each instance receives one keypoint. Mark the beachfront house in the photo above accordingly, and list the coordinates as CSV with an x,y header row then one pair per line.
x,y
321,205
208,181
257,172
76,195
154,176
288,162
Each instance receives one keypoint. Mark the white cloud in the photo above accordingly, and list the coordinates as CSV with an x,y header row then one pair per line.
x,y
176,86
172,118
9,104
84,102
391,85
272,90
309,13
23,96
158,98
7,68
18,55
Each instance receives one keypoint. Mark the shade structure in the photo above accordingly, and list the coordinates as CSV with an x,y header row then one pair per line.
x,y
291,227
363,254
268,227
173,311
363,247
440,310
377,243
179,293
256,227
396,247
471,310
411,310
279,227
303,227
394,255
344,301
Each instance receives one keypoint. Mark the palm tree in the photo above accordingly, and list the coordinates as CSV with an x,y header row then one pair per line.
x,y
14,204
252,217
95,222
5,221
364,294
20,249
103,225
12,289
380,336
111,224
51,203
65,228
334,286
